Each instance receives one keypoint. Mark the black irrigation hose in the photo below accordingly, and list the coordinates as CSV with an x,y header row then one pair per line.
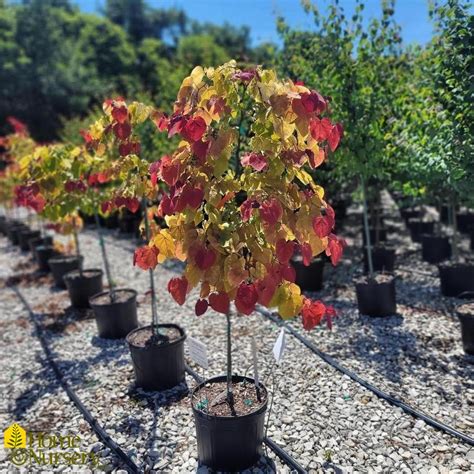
x,y
380,393
94,424
281,453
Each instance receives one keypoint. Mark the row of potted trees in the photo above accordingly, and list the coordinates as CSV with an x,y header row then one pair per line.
x,y
234,201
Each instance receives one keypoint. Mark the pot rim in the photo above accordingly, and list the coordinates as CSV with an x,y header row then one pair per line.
x,y
86,270
451,264
58,258
391,274
133,292
40,247
148,326
202,414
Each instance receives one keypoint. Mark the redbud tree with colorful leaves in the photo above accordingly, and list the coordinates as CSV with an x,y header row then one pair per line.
x,y
239,202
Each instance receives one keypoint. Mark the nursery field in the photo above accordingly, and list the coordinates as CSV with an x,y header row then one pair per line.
x,y
321,418
220,254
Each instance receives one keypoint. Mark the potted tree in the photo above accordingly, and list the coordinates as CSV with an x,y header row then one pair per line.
x,y
238,203
361,88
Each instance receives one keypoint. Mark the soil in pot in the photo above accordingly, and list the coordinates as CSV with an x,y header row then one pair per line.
x,y
115,318
435,248
457,279
309,278
82,286
43,253
383,259
229,441
376,297
158,361
61,265
465,313
25,236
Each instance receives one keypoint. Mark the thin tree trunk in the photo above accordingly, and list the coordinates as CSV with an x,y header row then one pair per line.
x,y
367,231
78,249
455,229
230,394
154,312
105,258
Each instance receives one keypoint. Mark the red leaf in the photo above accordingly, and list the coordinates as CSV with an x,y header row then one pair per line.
x,y
246,210
323,225
201,307
335,248
161,121
191,197
266,289
288,272
200,149
204,258
306,253
18,126
335,136
257,161
284,250
120,113
271,211
122,130
169,170
320,129
312,313
313,102
194,129
219,302
178,288
166,207
245,76
145,257
176,124
133,204
246,298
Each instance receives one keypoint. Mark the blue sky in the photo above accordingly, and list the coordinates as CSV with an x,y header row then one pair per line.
x,y
260,15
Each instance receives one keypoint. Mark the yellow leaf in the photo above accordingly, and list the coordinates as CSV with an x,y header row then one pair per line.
x,y
290,300
165,244
192,274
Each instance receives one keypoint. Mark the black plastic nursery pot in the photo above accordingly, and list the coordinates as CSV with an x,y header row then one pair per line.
x,y
418,228
465,313
374,233
410,214
82,286
465,222
229,443
43,253
158,366
472,239
456,279
435,248
25,236
115,319
309,278
36,242
377,298
383,259
62,264
14,233
3,225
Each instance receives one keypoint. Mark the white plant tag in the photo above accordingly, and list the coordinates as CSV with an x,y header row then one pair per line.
x,y
255,362
198,352
279,346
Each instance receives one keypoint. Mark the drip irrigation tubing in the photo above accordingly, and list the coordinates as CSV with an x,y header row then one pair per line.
x,y
94,424
380,393
281,453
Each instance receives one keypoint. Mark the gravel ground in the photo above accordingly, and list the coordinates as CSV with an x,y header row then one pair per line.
x,y
322,418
